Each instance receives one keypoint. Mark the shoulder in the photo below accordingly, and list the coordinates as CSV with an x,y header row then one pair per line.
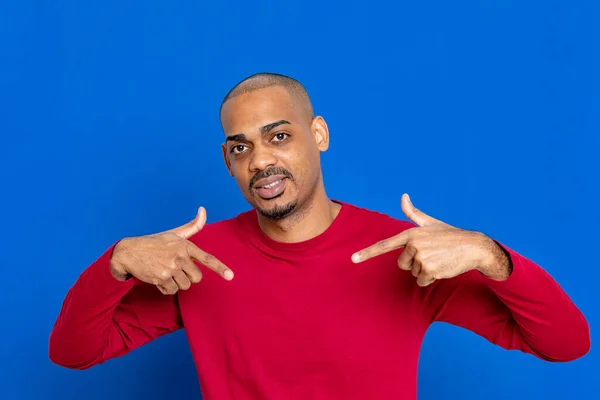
x,y
376,221
226,229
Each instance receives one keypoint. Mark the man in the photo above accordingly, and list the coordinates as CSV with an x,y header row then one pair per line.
x,y
329,300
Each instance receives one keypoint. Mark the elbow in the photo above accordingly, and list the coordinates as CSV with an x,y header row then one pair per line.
x,y
575,352
574,345
64,355
66,361
580,340
61,357
581,343
60,360
57,353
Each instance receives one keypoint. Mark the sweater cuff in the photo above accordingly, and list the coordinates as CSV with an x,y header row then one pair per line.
x,y
524,276
99,272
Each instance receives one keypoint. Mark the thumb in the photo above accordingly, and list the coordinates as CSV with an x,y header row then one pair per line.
x,y
191,228
414,214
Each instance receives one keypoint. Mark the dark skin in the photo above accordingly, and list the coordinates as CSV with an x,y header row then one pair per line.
x,y
270,130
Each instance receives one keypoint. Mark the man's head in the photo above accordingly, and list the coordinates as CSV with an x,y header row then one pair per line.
x,y
273,143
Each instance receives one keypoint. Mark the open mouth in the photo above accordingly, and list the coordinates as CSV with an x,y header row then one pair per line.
x,y
271,187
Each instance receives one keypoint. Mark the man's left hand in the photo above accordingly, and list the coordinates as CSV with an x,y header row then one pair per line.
x,y
435,250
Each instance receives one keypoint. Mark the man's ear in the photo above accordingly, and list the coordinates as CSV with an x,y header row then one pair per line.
x,y
320,132
226,158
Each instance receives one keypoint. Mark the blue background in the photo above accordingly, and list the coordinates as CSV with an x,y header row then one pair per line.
x,y
486,112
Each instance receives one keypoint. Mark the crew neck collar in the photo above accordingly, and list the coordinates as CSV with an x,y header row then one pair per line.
x,y
261,239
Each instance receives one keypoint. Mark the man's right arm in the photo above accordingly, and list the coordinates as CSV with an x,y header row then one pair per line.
x,y
105,315
103,318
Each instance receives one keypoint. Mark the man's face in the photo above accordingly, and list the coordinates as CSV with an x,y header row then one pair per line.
x,y
272,149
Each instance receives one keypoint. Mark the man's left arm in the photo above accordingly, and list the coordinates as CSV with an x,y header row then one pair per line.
x,y
519,306
468,279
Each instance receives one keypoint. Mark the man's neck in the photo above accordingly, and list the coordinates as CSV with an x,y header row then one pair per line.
x,y
309,221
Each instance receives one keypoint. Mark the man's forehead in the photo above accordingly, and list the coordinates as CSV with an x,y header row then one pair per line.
x,y
253,110
257,125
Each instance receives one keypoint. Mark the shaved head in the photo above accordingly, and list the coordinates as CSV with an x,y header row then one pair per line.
x,y
273,144
267,79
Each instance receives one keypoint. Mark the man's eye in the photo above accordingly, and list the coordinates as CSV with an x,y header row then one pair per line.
x,y
280,136
238,148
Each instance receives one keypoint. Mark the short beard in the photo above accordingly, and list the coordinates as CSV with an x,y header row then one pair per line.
x,y
279,212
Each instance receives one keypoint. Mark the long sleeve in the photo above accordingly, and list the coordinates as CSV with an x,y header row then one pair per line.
x,y
102,318
529,311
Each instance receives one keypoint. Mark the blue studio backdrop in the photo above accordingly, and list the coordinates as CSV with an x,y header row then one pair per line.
x,y
486,112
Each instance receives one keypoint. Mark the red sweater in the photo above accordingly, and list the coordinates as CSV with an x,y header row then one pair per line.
x,y
301,321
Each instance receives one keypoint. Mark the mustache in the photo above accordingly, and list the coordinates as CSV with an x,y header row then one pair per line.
x,y
269,172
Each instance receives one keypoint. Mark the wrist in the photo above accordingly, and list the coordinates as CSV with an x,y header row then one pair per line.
x,y
117,267
496,263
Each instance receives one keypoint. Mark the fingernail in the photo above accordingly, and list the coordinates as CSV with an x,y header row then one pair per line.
x,y
356,257
228,274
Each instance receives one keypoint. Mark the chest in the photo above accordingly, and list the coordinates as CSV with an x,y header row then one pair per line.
x,y
306,316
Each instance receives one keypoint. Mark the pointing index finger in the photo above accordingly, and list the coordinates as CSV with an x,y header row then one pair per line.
x,y
209,261
382,247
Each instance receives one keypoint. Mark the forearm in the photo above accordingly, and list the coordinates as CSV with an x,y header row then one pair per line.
x,y
83,329
525,310
546,318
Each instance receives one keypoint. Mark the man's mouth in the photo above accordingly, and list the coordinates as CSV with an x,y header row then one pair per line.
x,y
271,187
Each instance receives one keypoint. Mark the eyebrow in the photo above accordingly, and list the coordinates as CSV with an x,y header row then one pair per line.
x,y
240,137
273,125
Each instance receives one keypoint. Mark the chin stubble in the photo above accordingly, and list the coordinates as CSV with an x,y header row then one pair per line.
x,y
278,212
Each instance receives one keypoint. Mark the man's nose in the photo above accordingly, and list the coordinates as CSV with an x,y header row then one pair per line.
x,y
262,159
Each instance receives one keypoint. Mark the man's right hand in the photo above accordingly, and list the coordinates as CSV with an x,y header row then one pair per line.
x,y
165,259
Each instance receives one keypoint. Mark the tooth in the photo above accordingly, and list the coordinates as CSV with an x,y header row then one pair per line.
x,y
270,185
